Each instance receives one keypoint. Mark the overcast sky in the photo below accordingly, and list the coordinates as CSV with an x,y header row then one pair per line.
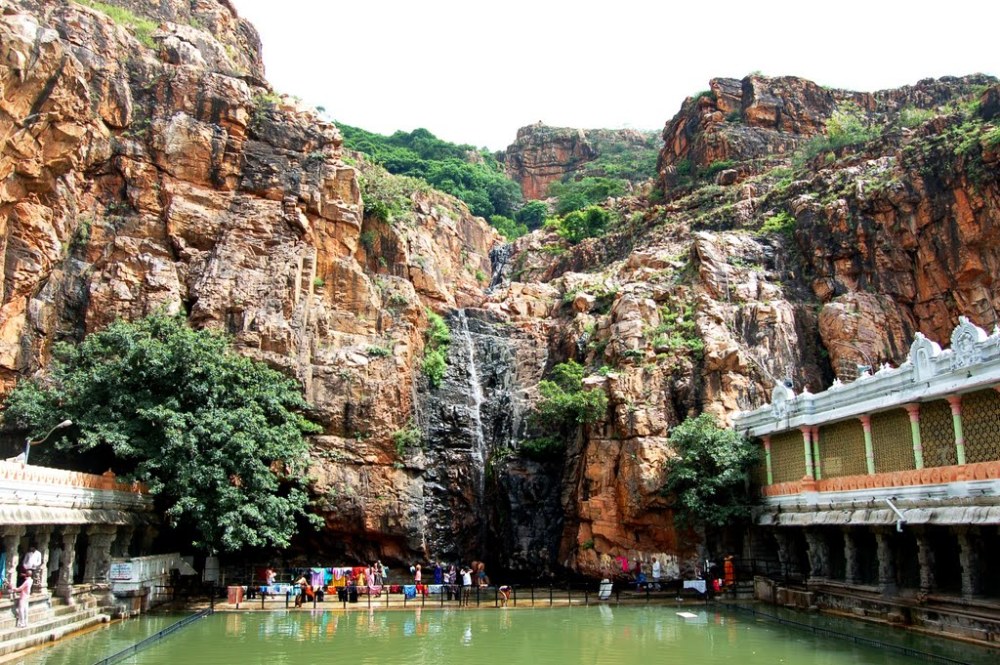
x,y
473,71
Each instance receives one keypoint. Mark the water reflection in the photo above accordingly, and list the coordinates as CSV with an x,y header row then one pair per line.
x,y
602,635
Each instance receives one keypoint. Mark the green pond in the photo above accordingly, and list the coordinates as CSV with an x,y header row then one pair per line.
x,y
592,635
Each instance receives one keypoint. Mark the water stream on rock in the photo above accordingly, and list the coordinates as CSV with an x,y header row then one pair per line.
x,y
479,454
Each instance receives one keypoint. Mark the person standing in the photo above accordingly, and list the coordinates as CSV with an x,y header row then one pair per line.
x,y
729,572
22,592
466,586
438,573
656,574
417,575
33,563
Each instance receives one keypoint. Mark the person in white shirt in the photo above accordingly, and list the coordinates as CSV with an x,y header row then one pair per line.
x,y
466,586
33,562
656,574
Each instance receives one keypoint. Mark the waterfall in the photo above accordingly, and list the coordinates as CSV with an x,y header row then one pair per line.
x,y
499,256
479,455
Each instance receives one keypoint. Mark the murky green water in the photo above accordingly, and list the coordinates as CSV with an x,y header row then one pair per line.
x,y
593,635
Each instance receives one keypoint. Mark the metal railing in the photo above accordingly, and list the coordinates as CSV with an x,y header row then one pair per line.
x,y
153,639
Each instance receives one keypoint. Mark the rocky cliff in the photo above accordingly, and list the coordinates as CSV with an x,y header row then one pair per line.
x,y
146,164
541,155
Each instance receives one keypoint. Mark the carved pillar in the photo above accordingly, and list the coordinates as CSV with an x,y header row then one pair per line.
x,y
64,587
817,459
99,539
918,447
819,555
852,568
886,560
767,459
968,540
42,536
807,444
866,425
925,557
11,538
956,421
786,556
120,548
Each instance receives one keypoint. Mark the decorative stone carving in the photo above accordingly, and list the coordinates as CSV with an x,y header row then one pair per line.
x,y
970,544
965,344
781,395
886,560
11,537
42,536
852,568
922,354
819,555
64,587
99,539
925,557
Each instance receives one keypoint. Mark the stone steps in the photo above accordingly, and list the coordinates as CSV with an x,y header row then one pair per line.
x,y
48,631
48,619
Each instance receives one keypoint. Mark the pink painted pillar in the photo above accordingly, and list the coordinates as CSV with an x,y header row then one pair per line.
x,y
956,420
817,460
806,441
767,459
866,425
918,448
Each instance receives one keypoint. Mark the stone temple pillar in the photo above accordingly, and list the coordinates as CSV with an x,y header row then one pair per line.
x,y
785,557
99,539
123,541
11,538
886,560
925,557
852,569
968,540
64,587
42,535
819,555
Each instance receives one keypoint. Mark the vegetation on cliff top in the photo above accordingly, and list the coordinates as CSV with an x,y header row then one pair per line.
x,y
217,436
472,175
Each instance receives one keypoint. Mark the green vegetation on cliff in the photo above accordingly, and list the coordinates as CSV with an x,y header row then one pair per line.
x,y
218,437
563,407
472,175
437,338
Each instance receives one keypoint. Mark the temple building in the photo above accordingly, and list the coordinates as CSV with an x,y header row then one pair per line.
x,y
881,497
80,523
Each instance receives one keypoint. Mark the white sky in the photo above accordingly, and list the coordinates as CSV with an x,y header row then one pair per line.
x,y
474,72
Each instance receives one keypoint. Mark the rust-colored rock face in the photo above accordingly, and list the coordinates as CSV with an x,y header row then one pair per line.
x,y
137,178
542,155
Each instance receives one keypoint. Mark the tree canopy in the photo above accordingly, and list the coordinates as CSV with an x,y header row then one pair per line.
x,y
217,436
709,478
474,176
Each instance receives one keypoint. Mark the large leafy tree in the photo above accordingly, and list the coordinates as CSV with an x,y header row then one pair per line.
x,y
217,436
709,478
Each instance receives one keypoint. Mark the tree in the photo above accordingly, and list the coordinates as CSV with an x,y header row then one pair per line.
x,y
563,407
532,214
218,437
579,225
709,478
